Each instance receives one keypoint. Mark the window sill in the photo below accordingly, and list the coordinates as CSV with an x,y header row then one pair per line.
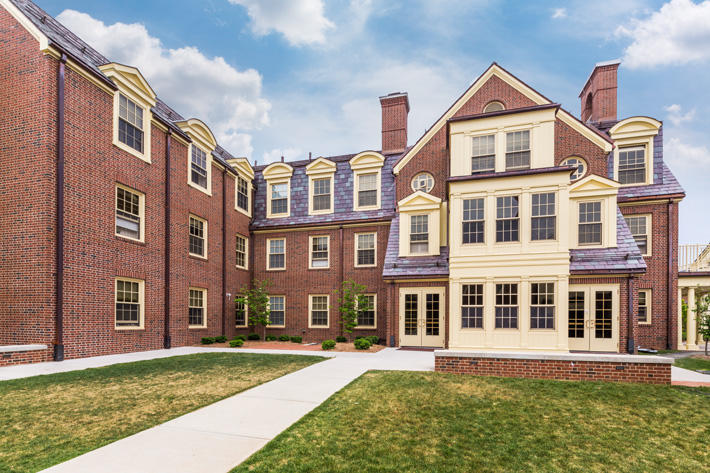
x,y
242,211
645,323
145,157
319,212
286,215
201,189
320,268
130,240
241,326
319,327
276,269
365,266
362,327
197,257
128,329
242,268
197,327
275,326
365,209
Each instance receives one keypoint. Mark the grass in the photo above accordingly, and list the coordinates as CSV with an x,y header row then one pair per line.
x,y
693,363
431,422
49,419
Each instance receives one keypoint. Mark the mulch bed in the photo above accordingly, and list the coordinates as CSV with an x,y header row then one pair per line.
x,y
341,347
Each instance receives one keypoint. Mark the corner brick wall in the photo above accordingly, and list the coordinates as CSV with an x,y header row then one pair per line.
x,y
602,85
647,373
394,123
569,142
24,357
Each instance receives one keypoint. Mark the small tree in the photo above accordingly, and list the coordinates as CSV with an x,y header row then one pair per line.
x,y
702,312
256,300
352,302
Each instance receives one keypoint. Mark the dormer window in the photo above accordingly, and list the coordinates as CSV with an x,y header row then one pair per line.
x,y
419,234
484,154
367,193
199,154
279,198
367,175
278,190
242,194
494,106
517,152
321,194
590,223
242,184
419,225
130,123
198,165
632,165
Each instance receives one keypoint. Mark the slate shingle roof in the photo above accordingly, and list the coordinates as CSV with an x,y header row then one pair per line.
x,y
668,186
342,199
625,258
412,267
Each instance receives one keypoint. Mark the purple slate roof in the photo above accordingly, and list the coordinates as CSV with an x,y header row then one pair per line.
x,y
342,200
413,266
625,258
668,186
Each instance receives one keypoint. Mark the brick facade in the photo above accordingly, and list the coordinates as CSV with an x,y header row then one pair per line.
x,y
24,357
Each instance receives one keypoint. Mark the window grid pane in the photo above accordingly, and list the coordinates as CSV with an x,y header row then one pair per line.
x,y
632,166
321,194
197,237
484,154
196,307
508,221
590,227
367,318
277,254
242,194
423,182
517,155
473,221
506,309
128,222
277,310
279,198
542,305
643,306
319,252
130,123
472,306
576,314
544,222
199,167
319,310
241,251
240,314
366,249
637,226
127,303
367,190
419,234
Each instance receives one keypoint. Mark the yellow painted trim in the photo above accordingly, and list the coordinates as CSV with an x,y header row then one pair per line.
x,y
310,251
204,307
374,308
650,124
649,305
419,201
242,166
321,166
204,226
269,184
198,131
141,303
147,123
268,260
277,170
310,310
246,314
311,189
584,130
208,157
356,188
26,23
141,211
284,299
649,231
246,251
356,237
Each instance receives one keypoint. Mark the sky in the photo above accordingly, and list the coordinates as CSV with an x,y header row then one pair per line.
x,y
279,78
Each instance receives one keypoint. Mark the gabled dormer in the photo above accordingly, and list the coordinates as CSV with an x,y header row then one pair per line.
x,y
242,185
367,180
419,225
321,178
593,212
199,154
132,103
278,190
633,154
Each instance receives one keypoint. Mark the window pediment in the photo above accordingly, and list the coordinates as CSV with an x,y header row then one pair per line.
x,y
635,127
277,171
321,166
367,160
242,166
130,80
594,185
419,201
199,132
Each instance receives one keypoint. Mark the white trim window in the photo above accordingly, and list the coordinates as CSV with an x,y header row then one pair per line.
x,y
320,252
279,198
277,253
483,158
130,123
423,182
507,219
319,312
473,225
517,150
543,220
368,318
494,106
129,213
322,194
590,223
419,234
632,165
542,305
277,311
241,255
472,306
644,316
198,167
581,166
240,314
242,188
638,225
197,308
129,297
198,237
506,308
366,254
367,189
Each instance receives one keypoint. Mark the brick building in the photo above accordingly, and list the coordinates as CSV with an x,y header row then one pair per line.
x,y
510,224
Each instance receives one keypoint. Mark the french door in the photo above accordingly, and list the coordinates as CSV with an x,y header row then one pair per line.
x,y
593,319
421,317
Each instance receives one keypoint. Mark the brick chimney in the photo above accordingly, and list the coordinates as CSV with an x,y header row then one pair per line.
x,y
395,108
598,97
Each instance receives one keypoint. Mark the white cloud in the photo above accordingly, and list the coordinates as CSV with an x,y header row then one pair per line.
x,y
302,22
676,115
678,33
559,13
685,156
289,154
228,100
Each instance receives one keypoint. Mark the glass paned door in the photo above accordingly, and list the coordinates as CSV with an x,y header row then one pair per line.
x,y
411,314
593,318
422,317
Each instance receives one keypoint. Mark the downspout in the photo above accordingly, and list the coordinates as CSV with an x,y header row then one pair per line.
x,y
342,264
59,255
166,335
630,344
669,290
224,250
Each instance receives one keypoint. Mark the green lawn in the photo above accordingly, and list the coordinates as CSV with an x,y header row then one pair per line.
x,y
431,422
693,363
45,420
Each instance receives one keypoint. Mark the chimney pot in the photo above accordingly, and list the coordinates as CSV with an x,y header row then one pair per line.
x,y
599,95
395,108
282,159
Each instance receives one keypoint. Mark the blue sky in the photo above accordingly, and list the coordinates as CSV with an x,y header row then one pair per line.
x,y
288,77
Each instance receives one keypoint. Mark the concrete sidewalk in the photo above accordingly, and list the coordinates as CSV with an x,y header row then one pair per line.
x,y
218,437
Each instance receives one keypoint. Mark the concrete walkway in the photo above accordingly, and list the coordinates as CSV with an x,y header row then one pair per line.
x,y
218,437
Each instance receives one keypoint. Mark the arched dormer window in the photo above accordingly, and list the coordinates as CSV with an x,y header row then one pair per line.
x,y
321,176
199,159
367,179
278,190
494,106
633,153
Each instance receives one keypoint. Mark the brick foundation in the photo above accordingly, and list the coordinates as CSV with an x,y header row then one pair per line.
x,y
571,367
8,358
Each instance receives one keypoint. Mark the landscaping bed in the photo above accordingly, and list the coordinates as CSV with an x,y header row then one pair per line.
x,y
442,423
277,345
49,419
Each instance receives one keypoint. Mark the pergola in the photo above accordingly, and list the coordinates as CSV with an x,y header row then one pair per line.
x,y
691,286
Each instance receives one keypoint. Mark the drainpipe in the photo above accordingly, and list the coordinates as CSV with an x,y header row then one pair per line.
x,y
59,255
224,250
342,264
630,345
166,335
669,272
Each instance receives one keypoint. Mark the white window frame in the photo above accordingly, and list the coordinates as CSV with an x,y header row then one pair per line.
x,y
246,211
147,118
601,221
648,234
632,147
425,175
554,216
553,305
269,190
208,162
310,310
579,162
204,308
428,234
246,251
310,251
649,305
374,309
204,238
378,189
284,311
268,253
141,304
479,137
482,284
311,194
357,243
141,213
246,314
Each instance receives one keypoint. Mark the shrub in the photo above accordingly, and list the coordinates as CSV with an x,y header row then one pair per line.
x,y
237,342
341,339
373,339
328,344
270,338
296,339
220,339
207,340
284,338
241,337
254,336
362,344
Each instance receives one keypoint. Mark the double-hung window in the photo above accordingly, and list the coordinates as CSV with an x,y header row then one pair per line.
x,y
367,318
279,198
484,154
367,190
242,194
321,194
638,224
507,219
198,237
240,314
241,252
129,303
129,205
365,249
319,311
277,253
419,234
130,123
517,150
645,306
506,309
198,167
277,311
197,308
544,221
632,165
590,223
472,306
542,305
319,252
473,221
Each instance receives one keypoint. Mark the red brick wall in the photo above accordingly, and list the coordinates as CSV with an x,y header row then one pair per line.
x,y
394,123
23,357
602,86
647,373
27,182
298,281
569,142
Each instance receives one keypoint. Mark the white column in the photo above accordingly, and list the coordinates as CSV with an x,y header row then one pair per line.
x,y
691,319
680,317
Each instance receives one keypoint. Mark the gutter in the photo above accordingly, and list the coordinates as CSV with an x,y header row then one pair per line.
x,y
166,304
59,250
265,229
